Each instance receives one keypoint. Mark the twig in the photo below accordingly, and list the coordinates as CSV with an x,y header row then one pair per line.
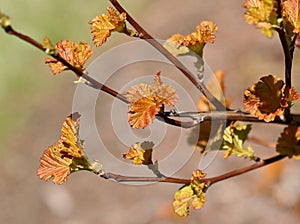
x,y
208,181
146,36
93,83
237,172
199,117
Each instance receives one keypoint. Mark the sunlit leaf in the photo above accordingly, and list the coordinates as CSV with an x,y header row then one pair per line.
x,y
204,33
102,25
193,194
74,54
53,164
67,155
291,11
145,101
233,141
182,199
268,98
289,142
140,153
262,13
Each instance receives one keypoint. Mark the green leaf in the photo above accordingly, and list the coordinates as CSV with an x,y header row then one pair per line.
x,y
233,141
289,142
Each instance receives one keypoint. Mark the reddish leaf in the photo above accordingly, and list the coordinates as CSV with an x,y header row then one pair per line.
x,y
53,164
147,100
266,99
67,155
289,142
74,54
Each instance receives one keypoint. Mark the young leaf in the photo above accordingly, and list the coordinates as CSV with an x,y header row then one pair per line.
x,y
204,33
268,99
145,101
74,54
192,193
103,25
140,153
262,13
233,141
291,11
289,142
67,155
53,164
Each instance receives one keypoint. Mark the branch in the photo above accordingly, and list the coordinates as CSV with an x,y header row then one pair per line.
x,y
234,173
199,117
79,72
146,36
90,80
208,181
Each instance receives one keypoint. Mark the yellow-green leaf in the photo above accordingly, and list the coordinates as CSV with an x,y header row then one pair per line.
x,y
233,141
262,13
193,194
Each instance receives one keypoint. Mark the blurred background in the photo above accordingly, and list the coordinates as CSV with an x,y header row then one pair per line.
x,y
34,103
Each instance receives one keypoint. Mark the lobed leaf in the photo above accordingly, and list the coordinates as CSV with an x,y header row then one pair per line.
x,y
268,98
102,25
140,153
190,194
291,11
289,142
67,155
145,101
204,33
53,164
74,54
233,141
263,14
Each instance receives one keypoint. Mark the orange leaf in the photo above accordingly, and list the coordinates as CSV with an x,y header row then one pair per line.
x,y
69,141
205,33
67,155
103,25
54,164
145,101
265,99
140,153
74,54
